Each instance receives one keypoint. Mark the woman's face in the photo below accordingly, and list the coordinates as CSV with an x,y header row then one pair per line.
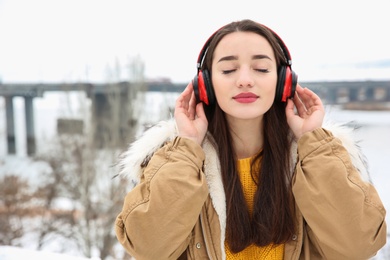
x,y
244,75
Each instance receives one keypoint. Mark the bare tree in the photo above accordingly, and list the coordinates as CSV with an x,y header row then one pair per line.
x,y
81,165
14,196
81,174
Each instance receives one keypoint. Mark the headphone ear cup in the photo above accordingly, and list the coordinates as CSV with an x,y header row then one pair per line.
x,y
195,85
294,82
287,82
202,88
209,87
280,83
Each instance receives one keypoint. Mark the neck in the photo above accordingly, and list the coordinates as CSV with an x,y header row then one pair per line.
x,y
247,136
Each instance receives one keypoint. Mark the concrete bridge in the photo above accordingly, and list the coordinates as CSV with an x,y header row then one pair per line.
x,y
342,92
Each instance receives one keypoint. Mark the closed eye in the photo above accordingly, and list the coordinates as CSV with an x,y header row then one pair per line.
x,y
262,70
227,71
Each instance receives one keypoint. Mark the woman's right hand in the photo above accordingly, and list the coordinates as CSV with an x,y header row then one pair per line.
x,y
190,118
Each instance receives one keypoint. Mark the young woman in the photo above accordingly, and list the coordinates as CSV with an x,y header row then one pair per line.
x,y
250,172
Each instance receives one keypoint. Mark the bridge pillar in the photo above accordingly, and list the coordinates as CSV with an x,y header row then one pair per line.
x,y
30,133
331,97
370,94
353,95
111,118
108,115
101,113
9,112
387,95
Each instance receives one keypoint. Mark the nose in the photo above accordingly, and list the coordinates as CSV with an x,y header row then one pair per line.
x,y
245,78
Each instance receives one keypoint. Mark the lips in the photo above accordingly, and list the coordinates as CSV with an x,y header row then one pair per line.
x,y
247,97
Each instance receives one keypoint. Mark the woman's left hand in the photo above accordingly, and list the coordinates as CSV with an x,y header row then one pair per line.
x,y
310,112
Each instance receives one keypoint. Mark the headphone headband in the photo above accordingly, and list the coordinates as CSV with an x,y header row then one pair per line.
x,y
281,43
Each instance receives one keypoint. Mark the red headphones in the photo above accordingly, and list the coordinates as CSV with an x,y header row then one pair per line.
x,y
285,87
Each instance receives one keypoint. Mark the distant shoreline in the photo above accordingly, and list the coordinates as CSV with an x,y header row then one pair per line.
x,y
368,106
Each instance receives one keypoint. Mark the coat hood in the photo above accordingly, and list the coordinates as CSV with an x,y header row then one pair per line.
x,y
139,152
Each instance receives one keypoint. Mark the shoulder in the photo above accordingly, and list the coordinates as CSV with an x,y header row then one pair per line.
x,y
347,134
134,157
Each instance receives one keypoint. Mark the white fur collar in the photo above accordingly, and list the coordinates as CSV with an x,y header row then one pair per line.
x,y
143,148
131,160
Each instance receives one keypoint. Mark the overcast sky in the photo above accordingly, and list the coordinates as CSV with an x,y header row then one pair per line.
x,y
77,40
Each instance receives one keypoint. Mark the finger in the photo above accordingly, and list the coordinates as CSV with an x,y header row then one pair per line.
x,y
301,108
305,98
316,100
290,109
190,87
312,101
300,93
299,88
185,95
312,98
200,111
191,106
181,105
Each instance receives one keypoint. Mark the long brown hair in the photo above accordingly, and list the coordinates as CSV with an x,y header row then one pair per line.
x,y
273,213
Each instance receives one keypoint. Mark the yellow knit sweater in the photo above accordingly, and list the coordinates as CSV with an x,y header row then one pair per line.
x,y
270,252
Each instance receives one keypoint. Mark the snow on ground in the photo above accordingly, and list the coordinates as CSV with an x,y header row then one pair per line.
x,y
16,253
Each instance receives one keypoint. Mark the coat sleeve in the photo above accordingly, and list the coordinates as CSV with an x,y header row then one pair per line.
x,y
344,215
159,214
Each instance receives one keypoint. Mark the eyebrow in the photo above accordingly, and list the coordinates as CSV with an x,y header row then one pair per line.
x,y
254,57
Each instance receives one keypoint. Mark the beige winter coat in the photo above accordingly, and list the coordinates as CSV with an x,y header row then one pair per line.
x,y
177,208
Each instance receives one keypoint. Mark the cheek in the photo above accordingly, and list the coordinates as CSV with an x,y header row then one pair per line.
x,y
219,86
270,85
273,90
219,95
